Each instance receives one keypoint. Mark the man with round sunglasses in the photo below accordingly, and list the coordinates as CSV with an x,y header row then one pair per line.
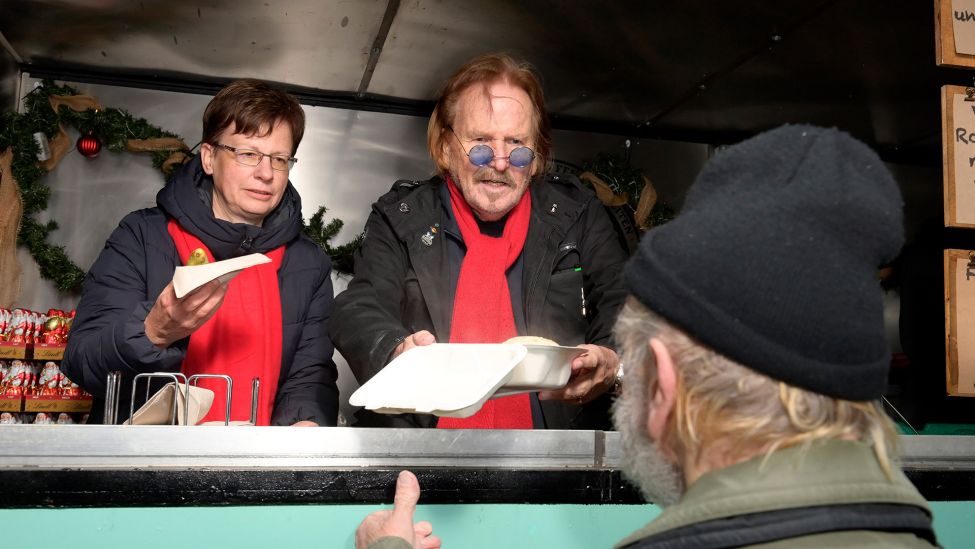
x,y
490,248
269,322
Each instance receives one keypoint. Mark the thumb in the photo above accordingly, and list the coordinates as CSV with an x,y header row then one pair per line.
x,y
407,494
423,337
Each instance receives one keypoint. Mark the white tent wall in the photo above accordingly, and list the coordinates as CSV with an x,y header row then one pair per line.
x,y
9,80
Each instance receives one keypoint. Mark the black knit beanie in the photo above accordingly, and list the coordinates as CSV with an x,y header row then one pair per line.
x,y
773,260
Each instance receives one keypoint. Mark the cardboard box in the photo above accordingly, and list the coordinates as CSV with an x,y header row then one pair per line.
x,y
45,351
13,351
11,404
57,403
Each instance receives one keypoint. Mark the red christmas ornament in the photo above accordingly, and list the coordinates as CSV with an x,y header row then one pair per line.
x,y
89,146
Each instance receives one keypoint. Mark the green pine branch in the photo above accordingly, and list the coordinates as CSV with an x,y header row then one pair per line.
x,y
343,256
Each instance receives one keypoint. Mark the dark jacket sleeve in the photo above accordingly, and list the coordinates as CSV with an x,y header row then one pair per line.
x,y
604,257
309,391
108,333
367,326
603,252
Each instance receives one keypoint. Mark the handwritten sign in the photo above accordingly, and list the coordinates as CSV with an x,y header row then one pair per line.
x,y
954,35
960,322
963,25
958,124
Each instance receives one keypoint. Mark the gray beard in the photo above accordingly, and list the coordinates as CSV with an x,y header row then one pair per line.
x,y
642,462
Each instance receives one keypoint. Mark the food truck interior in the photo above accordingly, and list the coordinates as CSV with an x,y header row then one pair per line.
x,y
658,85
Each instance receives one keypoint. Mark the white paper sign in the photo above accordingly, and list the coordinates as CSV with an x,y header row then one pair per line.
x,y
963,25
963,115
965,326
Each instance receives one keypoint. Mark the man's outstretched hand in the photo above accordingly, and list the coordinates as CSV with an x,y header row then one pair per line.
x,y
398,521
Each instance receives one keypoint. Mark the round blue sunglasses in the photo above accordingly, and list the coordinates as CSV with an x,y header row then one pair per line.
x,y
482,155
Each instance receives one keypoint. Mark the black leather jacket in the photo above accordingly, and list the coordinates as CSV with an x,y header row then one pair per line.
x,y
570,282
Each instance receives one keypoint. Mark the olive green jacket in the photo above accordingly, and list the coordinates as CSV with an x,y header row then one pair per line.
x,y
827,473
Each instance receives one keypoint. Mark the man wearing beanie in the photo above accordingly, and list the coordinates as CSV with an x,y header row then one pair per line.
x,y
755,354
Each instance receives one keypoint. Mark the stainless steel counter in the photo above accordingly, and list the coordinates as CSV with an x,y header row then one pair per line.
x,y
90,465
100,446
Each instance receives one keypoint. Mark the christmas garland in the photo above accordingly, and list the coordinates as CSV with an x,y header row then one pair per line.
x,y
46,113
50,107
617,183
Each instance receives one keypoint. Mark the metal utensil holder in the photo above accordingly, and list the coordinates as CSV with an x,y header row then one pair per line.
x,y
111,398
114,381
255,393
175,377
229,381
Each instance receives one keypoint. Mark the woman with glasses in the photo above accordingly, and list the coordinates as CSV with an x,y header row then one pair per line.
x,y
491,247
268,323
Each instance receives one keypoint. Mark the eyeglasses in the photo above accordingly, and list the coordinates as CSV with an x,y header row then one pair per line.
x,y
482,155
248,157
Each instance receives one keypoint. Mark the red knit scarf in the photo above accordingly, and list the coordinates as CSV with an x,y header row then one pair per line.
x,y
482,305
242,340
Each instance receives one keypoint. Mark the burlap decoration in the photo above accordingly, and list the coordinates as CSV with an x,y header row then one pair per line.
x,y
178,158
175,144
155,144
75,102
603,191
60,145
11,209
648,196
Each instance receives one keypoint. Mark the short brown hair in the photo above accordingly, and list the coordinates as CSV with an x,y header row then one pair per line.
x,y
254,107
485,70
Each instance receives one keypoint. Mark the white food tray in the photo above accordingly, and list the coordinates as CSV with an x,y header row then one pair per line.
x,y
456,379
188,278
444,379
544,368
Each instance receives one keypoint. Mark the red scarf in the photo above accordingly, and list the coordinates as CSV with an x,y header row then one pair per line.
x,y
242,340
482,306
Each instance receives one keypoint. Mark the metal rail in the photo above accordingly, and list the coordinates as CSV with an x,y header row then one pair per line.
x,y
165,447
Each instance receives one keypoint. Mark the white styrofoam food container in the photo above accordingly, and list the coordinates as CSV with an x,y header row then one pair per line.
x,y
544,368
444,379
186,278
